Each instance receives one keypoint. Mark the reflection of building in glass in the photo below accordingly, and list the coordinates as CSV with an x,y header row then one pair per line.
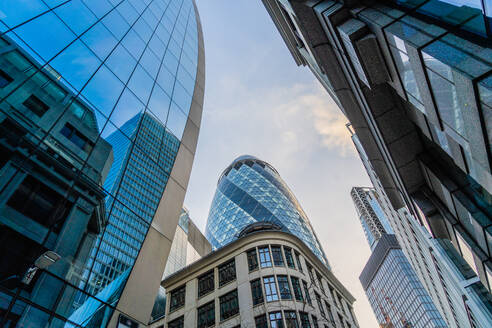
x,y
396,295
137,184
100,108
414,80
251,190
189,245
447,279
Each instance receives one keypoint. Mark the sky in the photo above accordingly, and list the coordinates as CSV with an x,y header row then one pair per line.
x,y
259,102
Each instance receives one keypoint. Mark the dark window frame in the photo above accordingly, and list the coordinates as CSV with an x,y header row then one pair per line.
x,y
252,259
76,137
304,317
298,260
277,257
289,258
204,310
257,292
36,105
297,289
228,305
284,287
261,321
291,319
179,295
176,323
5,79
227,272
206,283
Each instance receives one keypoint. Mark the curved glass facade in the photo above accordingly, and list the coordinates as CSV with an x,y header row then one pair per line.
x,y
94,99
250,191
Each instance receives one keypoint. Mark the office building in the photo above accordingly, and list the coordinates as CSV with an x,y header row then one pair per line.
x,y
189,245
254,281
397,297
449,281
395,292
251,190
371,215
413,79
100,112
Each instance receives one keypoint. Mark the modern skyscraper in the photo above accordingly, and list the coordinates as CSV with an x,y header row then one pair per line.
x,y
100,111
251,190
448,280
413,78
371,215
397,297
395,293
189,245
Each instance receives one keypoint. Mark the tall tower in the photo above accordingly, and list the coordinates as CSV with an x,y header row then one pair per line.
x,y
371,215
414,80
249,191
100,109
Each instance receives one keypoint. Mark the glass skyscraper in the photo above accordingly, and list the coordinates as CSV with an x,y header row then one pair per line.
x,y
397,297
100,106
371,215
249,191
414,80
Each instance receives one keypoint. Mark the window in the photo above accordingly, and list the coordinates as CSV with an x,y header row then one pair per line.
x,y
256,292
265,260
40,203
227,272
289,258
261,321
177,298
176,323
35,105
320,282
5,79
228,305
276,320
306,292
311,276
206,283
340,303
291,319
330,314
320,305
296,286
298,259
278,259
76,137
206,315
252,259
315,321
270,289
404,67
283,286
304,320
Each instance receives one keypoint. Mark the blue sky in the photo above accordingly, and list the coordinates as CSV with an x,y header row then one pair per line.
x,y
258,102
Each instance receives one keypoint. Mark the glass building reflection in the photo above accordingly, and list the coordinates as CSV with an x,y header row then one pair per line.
x,y
251,190
94,99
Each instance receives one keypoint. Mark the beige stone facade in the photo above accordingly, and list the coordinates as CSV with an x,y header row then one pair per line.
x,y
323,287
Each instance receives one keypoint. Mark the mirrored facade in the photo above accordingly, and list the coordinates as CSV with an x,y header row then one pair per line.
x,y
249,191
397,297
94,100
413,79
